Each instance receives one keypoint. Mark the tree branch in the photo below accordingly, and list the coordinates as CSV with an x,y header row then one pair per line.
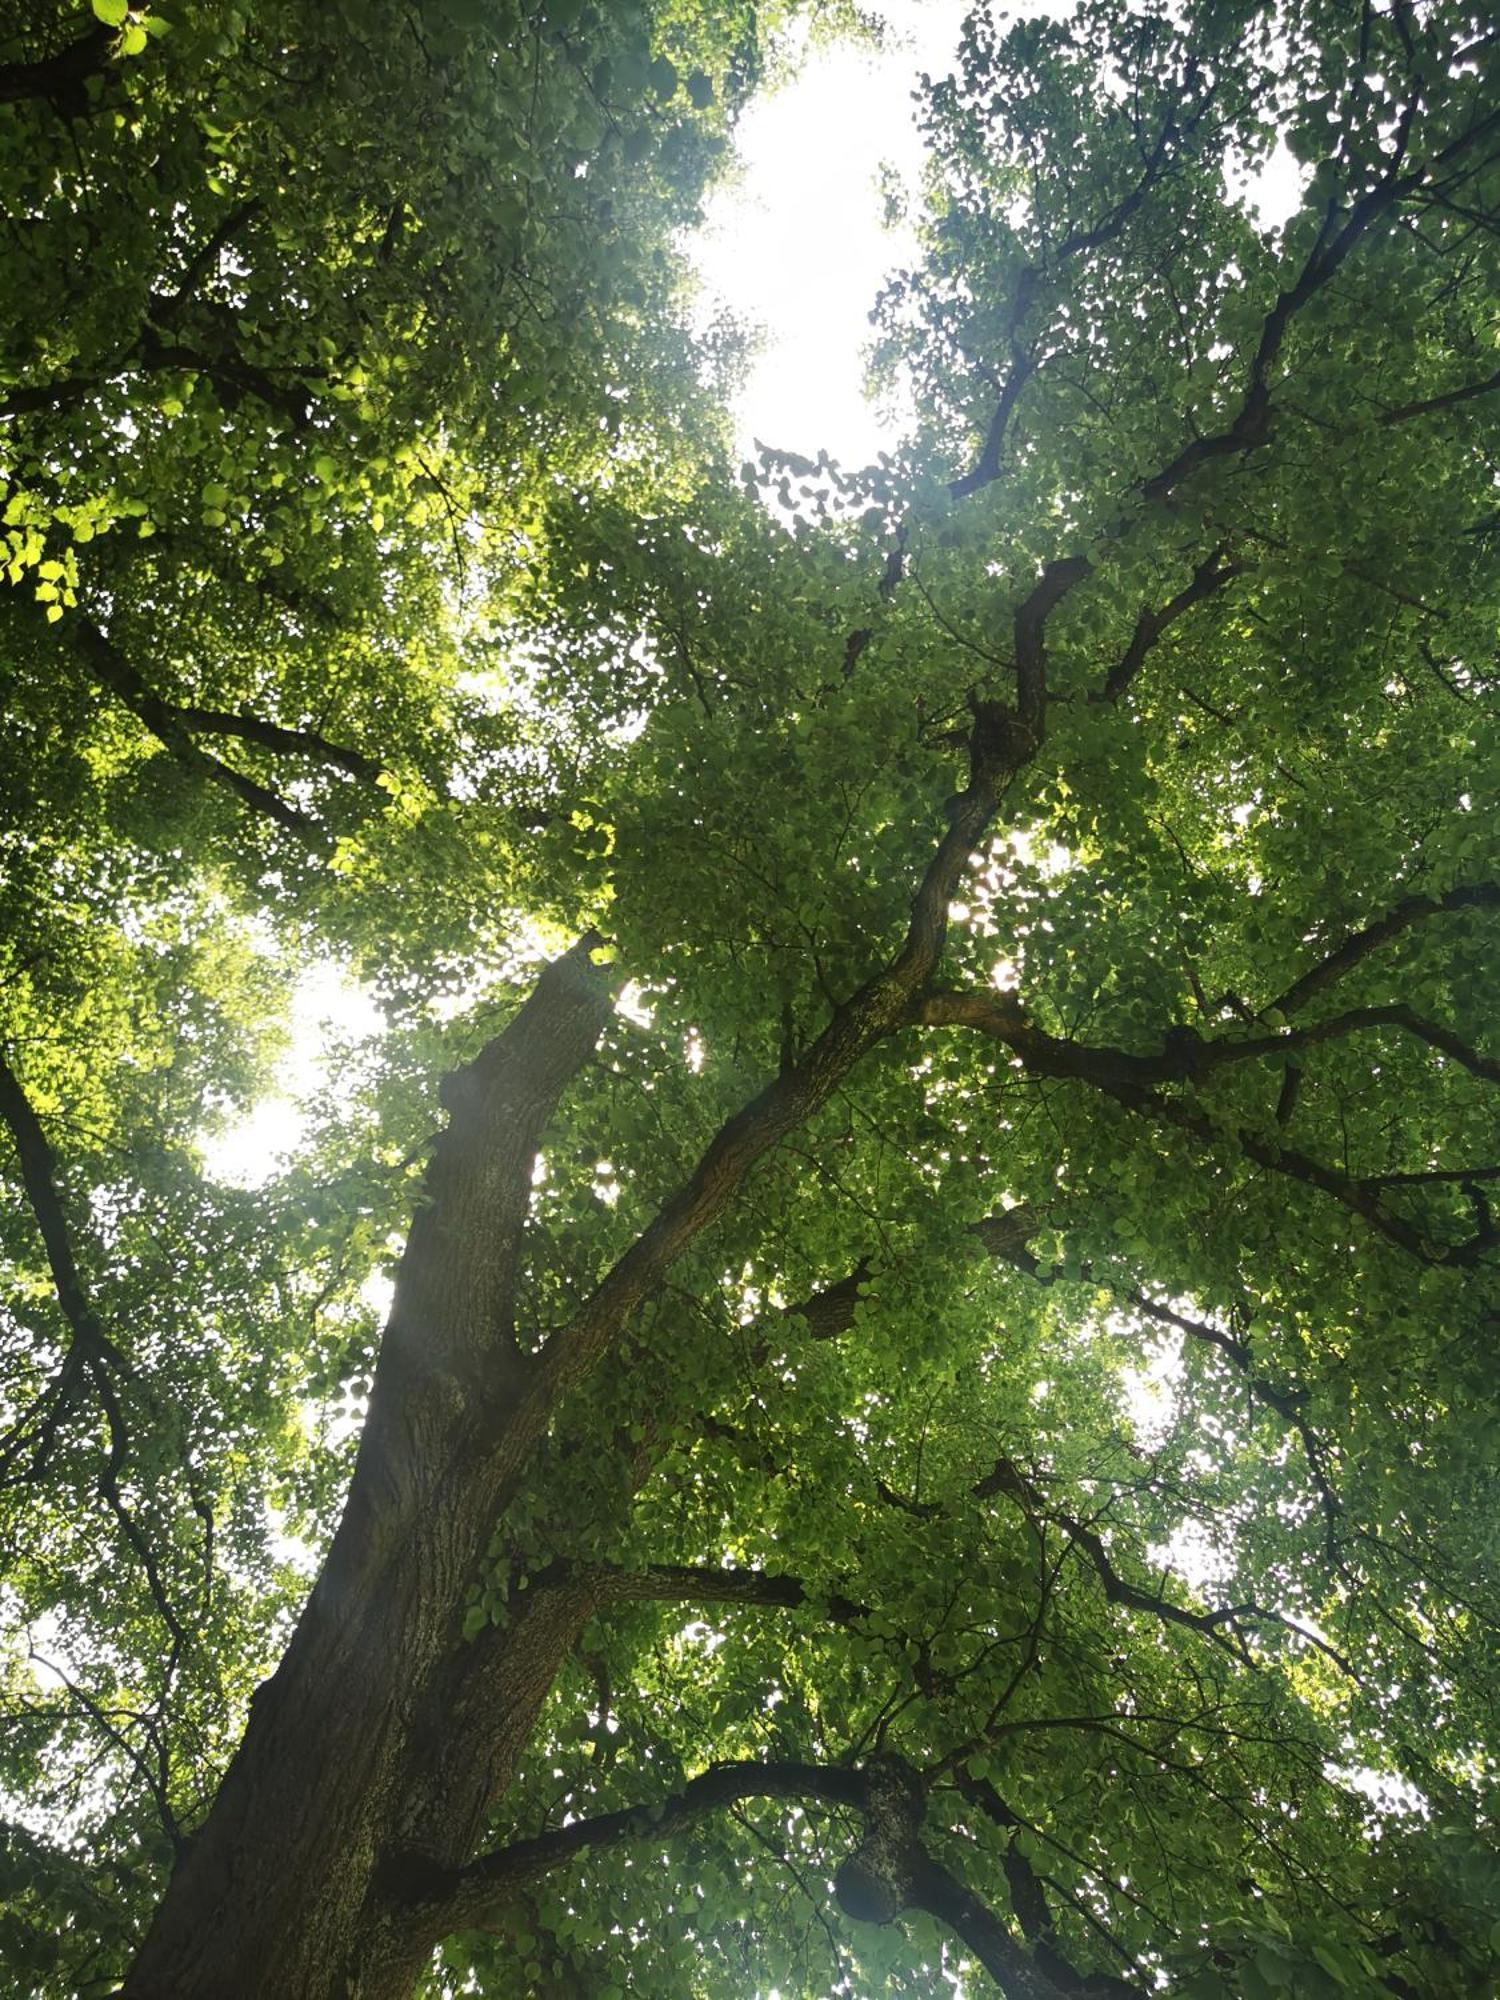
x,y
57,77
39,1178
379,1642
232,375
679,1583
986,467
1356,1019
91,1351
934,1889
448,1900
1427,405
1359,944
887,1872
1185,1056
1001,743
1029,1901
102,1721
1251,423
112,670
1006,1477
166,309
1057,579
1188,1058
1211,576
1006,1236
273,736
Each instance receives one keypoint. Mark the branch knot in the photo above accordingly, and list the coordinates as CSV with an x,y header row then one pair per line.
x,y
875,1882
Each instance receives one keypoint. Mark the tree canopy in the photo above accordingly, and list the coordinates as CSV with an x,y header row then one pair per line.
x,y
939,1113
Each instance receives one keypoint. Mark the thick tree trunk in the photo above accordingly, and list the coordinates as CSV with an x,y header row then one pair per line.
x,y
278,1892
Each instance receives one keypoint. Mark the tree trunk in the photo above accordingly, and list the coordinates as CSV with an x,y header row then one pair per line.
x,y
279,1891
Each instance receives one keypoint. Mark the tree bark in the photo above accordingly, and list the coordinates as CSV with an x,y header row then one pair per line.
x,y
277,1893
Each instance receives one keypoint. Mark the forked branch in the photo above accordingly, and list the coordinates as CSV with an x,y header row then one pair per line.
x,y
889,1870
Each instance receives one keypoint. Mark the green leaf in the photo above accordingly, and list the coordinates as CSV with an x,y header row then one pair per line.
x,y
1337,1963
878,1339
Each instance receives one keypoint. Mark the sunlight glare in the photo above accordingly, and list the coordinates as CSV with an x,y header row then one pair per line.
x,y
797,245
328,1009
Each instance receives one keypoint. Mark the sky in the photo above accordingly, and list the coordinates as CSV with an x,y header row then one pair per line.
x,y
797,245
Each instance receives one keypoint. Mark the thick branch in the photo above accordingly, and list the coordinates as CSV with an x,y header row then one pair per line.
x,y
528,1387
934,1889
829,1313
39,1178
1057,579
1299,1166
524,1389
1428,405
149,354
1210,577
1359,944
272,736
1357,1019
91,1351
888,1871
480,1712
233,375
1007,1234
47,395
1001,743
701,1583
1251,423
57,77
112,670
986,468
453,1900
1187,1058
351,1695
1029,1901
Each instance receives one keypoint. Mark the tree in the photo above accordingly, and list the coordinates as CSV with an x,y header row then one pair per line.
x,y
938,1409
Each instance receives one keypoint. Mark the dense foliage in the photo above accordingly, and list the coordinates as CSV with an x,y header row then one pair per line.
x,y
939,1411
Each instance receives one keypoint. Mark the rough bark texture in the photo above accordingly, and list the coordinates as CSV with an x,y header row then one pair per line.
x,y
305,1813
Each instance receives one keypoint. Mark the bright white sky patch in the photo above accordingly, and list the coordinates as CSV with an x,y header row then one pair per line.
x,y
1275,192
328,1010
1152,1389
798,245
